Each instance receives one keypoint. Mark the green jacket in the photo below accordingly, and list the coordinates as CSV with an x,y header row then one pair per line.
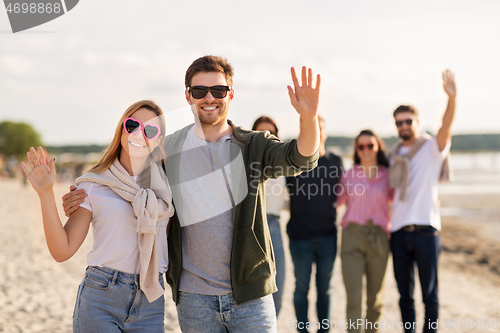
x,y
252,259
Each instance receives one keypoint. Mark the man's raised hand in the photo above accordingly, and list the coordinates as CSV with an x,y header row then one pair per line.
x,y
449,83
305,98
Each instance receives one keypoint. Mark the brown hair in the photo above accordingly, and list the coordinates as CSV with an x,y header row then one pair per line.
x,y
381,157
112,152
265,119
209,63
405,108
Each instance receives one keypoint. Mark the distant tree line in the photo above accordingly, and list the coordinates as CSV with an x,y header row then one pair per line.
x,y
486,142
460,142
17,138
79,149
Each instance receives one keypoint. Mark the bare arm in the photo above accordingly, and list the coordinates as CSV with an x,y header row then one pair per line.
x,y
62,241
444,134
305,100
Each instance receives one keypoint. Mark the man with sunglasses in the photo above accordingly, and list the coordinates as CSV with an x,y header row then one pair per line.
x,y
418,163
221,267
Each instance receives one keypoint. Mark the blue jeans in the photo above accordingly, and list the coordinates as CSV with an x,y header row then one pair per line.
x,y
279,259
421,246
321,251
219,314
112,301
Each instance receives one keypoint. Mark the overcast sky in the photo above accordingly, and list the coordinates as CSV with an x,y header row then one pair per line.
x,y
72,78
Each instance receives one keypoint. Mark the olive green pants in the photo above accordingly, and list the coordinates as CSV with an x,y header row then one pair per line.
x,y
364,250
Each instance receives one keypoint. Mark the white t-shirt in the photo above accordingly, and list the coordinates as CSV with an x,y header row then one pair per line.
x,y
276,196
420,206
114,227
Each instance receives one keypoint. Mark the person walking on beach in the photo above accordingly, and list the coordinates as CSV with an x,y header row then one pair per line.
x,y
418,163
276,201
122,290
313,233
366,191
221,268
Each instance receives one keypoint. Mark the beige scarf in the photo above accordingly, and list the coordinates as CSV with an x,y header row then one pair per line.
x,y
150,205
399,176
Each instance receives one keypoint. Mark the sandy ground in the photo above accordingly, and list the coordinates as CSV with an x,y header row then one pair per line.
x,y
37,294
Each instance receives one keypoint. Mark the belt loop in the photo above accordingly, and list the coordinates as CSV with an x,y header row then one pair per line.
x,y
115,277
369,223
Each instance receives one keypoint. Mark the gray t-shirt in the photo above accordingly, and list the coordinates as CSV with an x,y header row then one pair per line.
x,y
206,215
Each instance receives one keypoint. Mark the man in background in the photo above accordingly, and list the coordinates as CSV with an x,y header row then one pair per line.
x,y
418,163
313,233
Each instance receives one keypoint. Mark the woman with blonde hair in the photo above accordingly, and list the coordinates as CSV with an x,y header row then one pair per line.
x,y
128,204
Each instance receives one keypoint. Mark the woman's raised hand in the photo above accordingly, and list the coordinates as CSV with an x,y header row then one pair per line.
x,y
40,170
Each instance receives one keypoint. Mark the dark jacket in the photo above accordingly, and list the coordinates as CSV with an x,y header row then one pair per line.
x,y
252,258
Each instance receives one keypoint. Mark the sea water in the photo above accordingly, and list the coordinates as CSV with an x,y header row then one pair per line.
x,y
473,173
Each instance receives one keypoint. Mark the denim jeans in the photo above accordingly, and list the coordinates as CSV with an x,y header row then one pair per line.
x,y
321,251
279,259
421,246
219,314
112,301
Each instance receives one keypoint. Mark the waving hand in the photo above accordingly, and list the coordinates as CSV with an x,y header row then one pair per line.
x,y
40,171
305,98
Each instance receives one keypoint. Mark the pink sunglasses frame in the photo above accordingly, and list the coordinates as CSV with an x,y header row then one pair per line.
x,y
141,126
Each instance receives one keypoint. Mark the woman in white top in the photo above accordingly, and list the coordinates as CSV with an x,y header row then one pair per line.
x,y
276,201
128,204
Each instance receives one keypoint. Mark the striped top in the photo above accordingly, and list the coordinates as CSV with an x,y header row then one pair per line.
x,y
365,199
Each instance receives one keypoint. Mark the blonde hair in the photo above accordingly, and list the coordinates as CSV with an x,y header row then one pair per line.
x,y
112,152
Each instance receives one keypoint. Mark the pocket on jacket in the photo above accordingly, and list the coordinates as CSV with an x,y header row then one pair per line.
x,y
255,263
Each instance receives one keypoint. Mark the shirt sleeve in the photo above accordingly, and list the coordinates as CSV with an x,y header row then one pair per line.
x,y
87,186
441,153
283,158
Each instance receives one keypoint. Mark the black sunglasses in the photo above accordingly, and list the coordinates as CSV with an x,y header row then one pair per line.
x,y
199,92
400,123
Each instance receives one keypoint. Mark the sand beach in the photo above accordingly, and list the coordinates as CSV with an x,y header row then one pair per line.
x,y
37,294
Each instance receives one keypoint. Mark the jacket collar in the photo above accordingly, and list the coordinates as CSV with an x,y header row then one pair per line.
x,y
239,133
